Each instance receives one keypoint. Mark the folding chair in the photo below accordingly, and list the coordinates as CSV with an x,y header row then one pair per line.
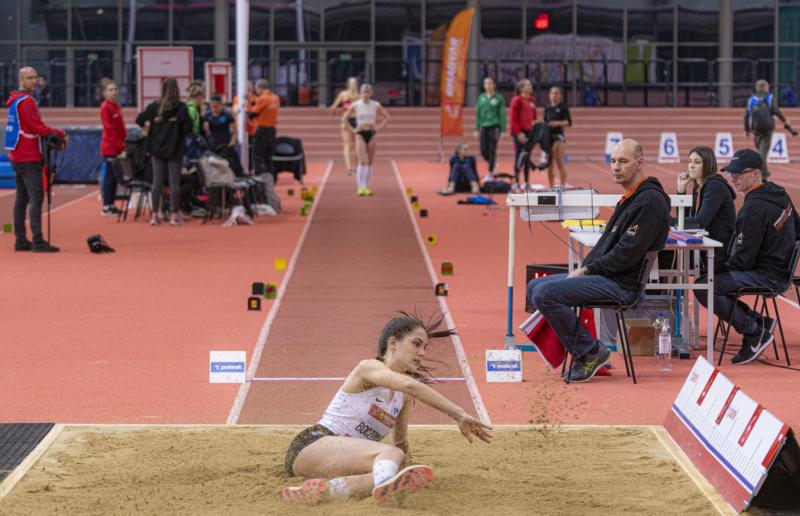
x,y
619,312
763,293
288,156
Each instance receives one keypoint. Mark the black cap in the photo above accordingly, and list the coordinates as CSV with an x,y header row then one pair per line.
x,y
742,160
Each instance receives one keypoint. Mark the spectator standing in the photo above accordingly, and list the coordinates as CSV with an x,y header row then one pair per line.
x,y
25,129
263,110
221,134
523,115
759,120
490,121
167,124
557,117
112,144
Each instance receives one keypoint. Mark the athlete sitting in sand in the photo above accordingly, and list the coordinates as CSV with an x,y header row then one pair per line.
x,y
374,400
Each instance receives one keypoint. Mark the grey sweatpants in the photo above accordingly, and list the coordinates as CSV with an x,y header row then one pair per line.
x,y
160,169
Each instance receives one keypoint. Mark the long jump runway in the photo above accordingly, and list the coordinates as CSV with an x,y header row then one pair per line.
x,y
359,264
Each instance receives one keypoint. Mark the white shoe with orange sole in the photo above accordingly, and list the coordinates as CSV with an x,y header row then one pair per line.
x,y
412,478
311,492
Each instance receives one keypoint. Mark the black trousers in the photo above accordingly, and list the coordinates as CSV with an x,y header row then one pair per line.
x,y
30,195
263,144
489,137
232,157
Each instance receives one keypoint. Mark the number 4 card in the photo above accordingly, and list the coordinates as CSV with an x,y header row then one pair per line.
x,y
778,150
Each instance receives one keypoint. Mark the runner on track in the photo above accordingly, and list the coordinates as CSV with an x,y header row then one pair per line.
x,y
374,400
366,112
557,117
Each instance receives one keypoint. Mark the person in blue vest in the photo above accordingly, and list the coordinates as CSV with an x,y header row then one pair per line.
x,y
758,119
23,133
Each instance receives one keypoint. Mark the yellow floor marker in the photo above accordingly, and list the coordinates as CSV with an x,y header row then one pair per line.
x,y
431,239
280,264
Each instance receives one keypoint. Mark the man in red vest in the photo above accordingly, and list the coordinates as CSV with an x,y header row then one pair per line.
x,y
23,134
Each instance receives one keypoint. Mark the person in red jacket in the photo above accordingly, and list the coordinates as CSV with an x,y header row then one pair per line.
x,y
523,115
25,128
112,145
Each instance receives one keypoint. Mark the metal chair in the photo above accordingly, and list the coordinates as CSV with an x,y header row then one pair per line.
x,y
619,312
763,293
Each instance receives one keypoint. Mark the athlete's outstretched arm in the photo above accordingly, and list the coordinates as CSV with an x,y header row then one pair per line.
x,y
375,372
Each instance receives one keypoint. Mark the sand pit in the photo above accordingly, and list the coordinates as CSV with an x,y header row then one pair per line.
x,y
239,470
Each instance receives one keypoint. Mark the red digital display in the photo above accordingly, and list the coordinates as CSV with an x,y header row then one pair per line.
x,y
542,22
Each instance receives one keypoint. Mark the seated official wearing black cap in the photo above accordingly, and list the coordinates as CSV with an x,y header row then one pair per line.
x,y
759,253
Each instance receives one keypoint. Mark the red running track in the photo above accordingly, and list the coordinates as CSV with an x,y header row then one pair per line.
x,y
475,240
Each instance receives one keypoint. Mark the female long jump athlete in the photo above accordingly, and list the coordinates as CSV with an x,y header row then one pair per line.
x,y
345,98
366,112
374,400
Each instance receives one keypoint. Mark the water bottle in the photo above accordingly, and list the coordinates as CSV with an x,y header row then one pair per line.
x,y
663,342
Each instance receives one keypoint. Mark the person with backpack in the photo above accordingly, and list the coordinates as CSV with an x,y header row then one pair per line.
x,y
758,119
23,134
167,124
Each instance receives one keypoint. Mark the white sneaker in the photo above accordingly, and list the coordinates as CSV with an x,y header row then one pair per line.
x,y
412,478
265,209
240,215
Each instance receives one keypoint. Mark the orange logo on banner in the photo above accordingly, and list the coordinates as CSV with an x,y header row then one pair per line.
x,y
454,73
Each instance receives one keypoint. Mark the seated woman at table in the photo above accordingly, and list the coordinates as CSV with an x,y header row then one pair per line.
x,y
712,201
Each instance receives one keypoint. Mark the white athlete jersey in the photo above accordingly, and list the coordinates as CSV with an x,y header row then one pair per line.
x,y
366,113
370,414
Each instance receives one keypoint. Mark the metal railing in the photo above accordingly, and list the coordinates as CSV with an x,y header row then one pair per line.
x,y
598,82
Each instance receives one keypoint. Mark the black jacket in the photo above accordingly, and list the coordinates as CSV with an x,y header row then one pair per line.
x,y
766,230
715,213
167,136
637,226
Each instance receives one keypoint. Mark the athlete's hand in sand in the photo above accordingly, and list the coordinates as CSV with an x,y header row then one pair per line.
x,y
470,426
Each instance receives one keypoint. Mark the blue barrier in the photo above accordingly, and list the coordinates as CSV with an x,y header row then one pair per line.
x,y
80,162
7,176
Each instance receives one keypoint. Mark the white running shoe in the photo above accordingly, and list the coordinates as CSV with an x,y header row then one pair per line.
x,y
412,478
265,209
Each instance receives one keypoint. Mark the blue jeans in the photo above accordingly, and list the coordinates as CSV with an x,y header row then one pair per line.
x,y
555,296
109,186
742,318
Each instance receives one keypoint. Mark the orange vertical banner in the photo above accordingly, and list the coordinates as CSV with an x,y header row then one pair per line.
x,y
454,73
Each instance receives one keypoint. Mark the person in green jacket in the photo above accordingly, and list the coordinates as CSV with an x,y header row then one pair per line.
x,y
490,121
194,106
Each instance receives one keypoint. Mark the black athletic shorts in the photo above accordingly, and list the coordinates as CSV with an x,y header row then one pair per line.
x,y
301,440
367,134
